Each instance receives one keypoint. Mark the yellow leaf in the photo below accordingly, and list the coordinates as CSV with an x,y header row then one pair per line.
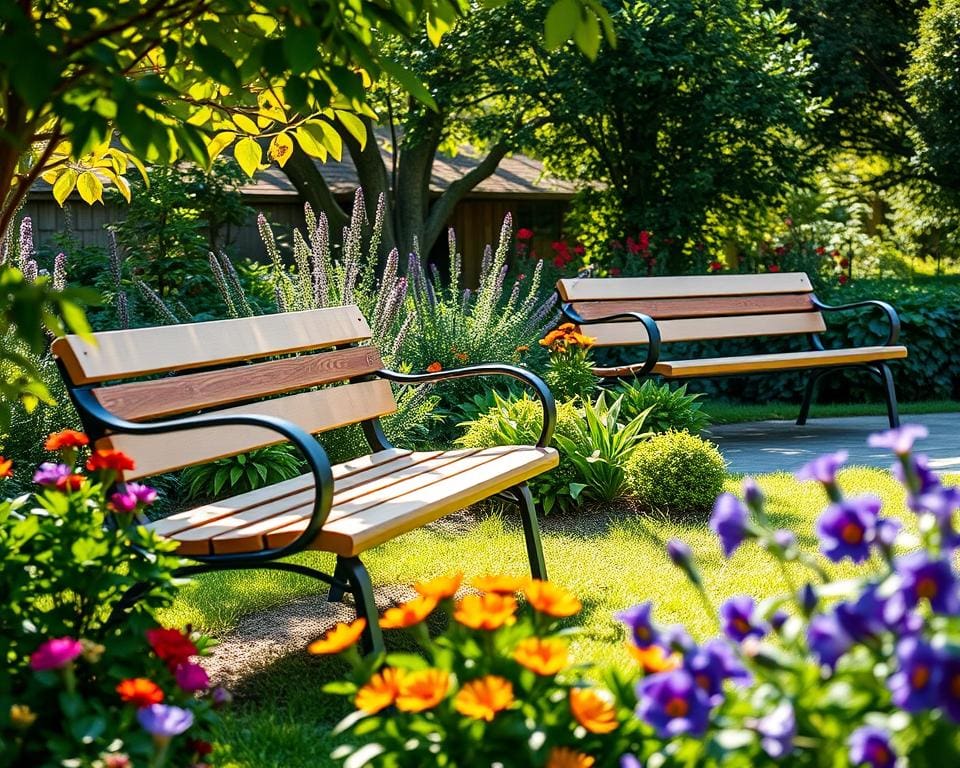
x,y
270,107
312,145
281,148
119,182
219,143
64,185
90,188
354,125
331,139
201,116
246,125
51,176
140,167
248,154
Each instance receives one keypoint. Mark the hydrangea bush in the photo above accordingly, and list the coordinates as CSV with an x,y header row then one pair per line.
x,y
84,684
863,671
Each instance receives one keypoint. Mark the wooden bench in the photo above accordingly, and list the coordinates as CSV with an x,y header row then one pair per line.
x,y
176,396
652,311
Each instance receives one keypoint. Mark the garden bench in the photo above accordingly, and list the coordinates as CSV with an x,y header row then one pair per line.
x,y
175,396
652,311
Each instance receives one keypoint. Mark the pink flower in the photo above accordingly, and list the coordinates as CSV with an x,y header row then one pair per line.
x,y
524,234
55,653
123,502
192,677
144,493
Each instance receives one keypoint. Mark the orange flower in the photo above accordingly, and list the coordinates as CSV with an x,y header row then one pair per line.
x,y
550,599
409,613
339,638
579,338
67,438
564,757
422,690
482,698
104,459
434,367
71,483
6,467
441,587
380,691
592,711
566,327
545,656
504,585
140,692
551,337
490,611
654,658
522,348
461,356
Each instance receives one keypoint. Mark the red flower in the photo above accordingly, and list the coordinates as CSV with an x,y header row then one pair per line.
x,y
103,459
67,438
524,234
434,367
614,271
821,250
579,249
773,268
835,254
201,748
171,646
843,279
716,266
6,467
779,250
633,246
70,483
559,247
844,263
140,692
559,262
644,241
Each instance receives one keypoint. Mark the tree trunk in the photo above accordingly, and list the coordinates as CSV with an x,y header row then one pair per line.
x,y
309,182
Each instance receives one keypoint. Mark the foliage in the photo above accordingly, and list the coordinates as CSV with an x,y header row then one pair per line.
x,y
569,371
666,408
677,474
70,670
602,447
838,672
243,472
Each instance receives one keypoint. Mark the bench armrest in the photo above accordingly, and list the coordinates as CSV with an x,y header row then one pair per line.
x,y
304,442
491,369
653,332
894,319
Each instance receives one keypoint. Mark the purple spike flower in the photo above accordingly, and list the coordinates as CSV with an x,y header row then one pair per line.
x,y
899,440
673,703
848,528
729,522
915,684
640,625
922,577
737,617
870,746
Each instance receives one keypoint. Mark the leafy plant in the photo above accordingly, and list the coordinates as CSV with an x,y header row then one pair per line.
x,y
243,472
667,408
570,368
677,473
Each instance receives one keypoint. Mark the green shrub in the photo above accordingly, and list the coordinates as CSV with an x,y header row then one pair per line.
x,y
667,408
569,372
243,472
677,473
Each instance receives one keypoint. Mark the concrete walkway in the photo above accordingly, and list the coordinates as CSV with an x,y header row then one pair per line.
x,y
773,446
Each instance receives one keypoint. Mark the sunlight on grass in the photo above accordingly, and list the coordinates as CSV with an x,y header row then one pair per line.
x,y
735,413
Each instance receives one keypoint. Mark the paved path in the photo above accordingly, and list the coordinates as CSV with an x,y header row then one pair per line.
x,y
771,446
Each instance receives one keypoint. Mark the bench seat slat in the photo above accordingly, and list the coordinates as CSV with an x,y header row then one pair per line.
x,y
709,306
692,329
603,288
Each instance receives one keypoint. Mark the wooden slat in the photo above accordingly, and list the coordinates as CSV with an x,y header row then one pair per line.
x,y
710,306
593,288
138,352
315,411
209,389
374,525
633,333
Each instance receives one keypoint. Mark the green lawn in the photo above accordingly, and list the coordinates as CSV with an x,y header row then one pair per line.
x,y
734,413
282,718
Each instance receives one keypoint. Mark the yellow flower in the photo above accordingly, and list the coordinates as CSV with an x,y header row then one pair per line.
x,y
489,611
592,711
564,757
481,699
21,716
422,690
550,599
441,587
504,585
409,613
380,691
580,339
654,658
545,656
339,638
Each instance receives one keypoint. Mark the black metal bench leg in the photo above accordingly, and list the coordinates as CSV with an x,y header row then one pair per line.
x,y
890,393
362,590
531,531
339,586
808,394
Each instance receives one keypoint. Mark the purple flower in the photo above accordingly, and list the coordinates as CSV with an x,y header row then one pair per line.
x,y
823,469
123,501
673,703
221,696
752,493
778,619
164,721
950,687
729,522
777,730
807,599
192,677
864,618
871,746
785,539
713,663
922,577
49,473
638,621
887,531
848,528
55,653
144,493
736,614
679,554
915,685
675,637
828,639
630,761
133,496
916,475
900,440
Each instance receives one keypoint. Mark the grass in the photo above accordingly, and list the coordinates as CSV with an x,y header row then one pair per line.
x,y
734,413
612,561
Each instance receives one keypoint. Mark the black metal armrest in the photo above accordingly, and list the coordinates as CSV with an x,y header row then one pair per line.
x,y
305,443
891,313
491,369
653,332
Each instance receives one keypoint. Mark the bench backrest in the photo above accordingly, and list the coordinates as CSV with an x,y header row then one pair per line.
x,y
695,307
283,357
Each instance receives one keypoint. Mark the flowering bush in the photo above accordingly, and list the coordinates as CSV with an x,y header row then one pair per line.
x,y
569,371
80,687
859,672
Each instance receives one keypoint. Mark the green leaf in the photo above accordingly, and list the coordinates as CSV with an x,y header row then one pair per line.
x,y
587,35
354,125
217,64
249,155
409,81
561,23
